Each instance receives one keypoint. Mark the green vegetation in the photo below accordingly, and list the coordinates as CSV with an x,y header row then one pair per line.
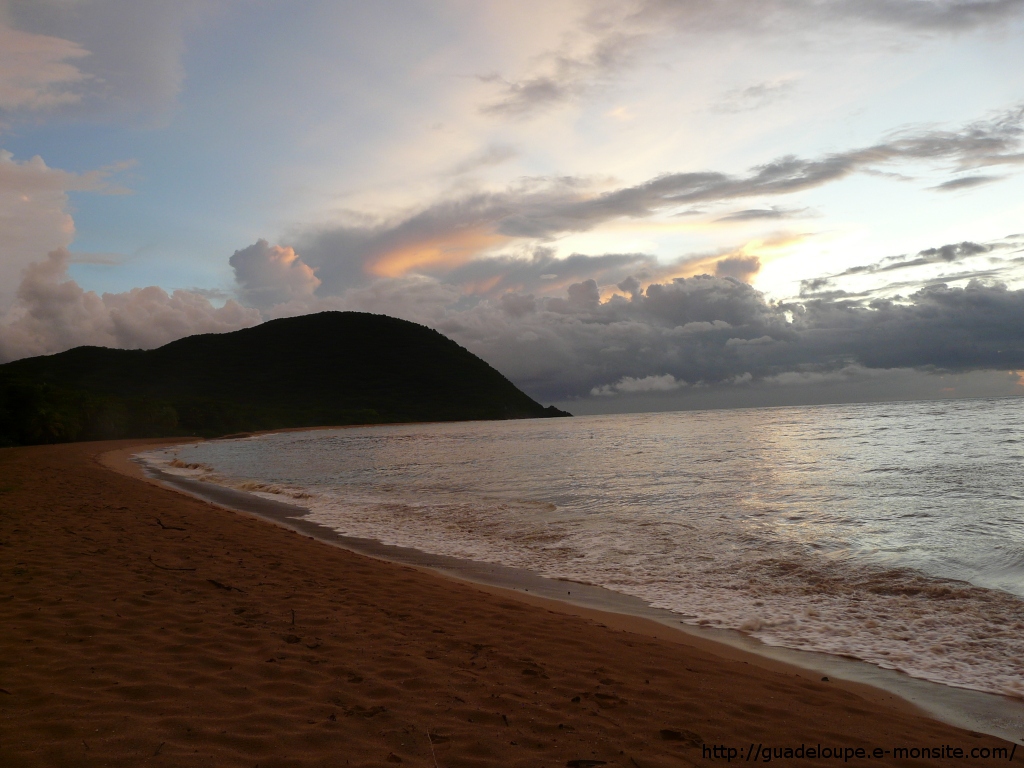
x,y
331,368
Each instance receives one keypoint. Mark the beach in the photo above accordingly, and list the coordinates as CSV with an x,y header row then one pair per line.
x,y
145,627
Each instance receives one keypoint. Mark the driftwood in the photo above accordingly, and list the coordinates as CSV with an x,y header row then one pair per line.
x,y
167,527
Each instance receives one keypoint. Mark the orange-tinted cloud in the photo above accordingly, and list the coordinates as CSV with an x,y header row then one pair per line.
x,y
438,254
485,286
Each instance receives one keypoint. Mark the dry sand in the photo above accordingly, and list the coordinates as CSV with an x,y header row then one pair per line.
x,y
139,627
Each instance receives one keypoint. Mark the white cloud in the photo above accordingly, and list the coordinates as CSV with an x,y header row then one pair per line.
x,y
756,96
127,54
36,71
845,374
630,385
618,34
53,313
750,342
272,274
33,214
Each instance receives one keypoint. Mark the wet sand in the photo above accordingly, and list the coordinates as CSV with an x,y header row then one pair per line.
x,y
144,627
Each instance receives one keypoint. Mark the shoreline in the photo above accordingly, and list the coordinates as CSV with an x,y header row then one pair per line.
x,y
146,627
989,713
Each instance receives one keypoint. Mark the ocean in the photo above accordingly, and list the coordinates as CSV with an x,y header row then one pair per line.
x,y
891,533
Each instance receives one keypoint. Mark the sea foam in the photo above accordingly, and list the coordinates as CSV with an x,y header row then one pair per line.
x,y
888,533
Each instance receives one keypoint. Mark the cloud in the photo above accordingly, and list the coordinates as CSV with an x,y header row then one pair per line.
x,y
475,275
126,54
53,313
37,72
542,271
948,16
755,96
673,339
442,236
525,96
741,267
845,374
760,214
949,253
983,143
33,213
954,251
452,233
974,327
749,342
708,331
619,33
490,156
271,274
966,182
563,75
630,385
731,16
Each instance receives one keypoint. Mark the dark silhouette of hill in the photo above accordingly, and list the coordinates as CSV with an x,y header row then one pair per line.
x,y
330,368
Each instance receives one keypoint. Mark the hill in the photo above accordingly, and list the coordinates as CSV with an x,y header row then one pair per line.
x,y
330,368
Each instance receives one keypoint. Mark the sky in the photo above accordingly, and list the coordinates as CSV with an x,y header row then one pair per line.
x,y
632,205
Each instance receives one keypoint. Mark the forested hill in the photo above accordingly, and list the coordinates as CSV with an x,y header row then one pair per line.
x,y
331,368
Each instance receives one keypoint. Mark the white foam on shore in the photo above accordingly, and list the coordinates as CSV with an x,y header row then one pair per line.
x,y
944,631
784,577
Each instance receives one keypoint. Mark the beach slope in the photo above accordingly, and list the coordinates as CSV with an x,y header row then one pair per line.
x,y
143,627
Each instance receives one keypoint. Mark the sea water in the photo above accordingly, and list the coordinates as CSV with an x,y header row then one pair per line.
x,y
892,533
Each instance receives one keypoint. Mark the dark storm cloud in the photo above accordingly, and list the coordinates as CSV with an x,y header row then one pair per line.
x,y
565,347
950,328
714,333
717,331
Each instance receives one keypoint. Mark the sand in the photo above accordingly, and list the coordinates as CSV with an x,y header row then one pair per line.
x,y
139,626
